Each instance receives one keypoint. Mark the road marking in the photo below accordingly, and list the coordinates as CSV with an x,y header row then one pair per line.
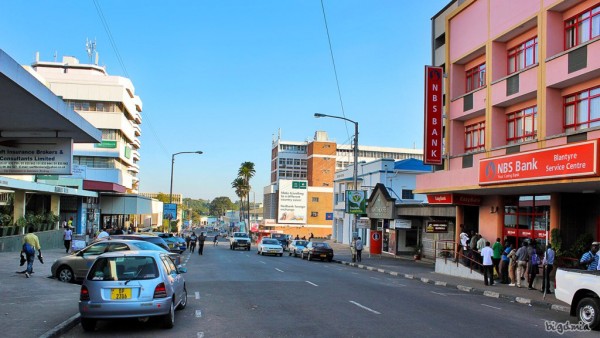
x,y
438,293
278,270
200,335
197,295
311,283
198,313
355,273
493,307
262,262
364,307
374,278
448,294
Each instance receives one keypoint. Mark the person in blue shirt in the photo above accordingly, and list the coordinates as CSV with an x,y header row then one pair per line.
x,y
548,266
505,264
590,259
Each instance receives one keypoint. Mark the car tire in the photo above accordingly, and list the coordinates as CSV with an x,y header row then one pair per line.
x,y
309,258
65,274
258,252
329,259
281,254
262,253
168,320
588,312
183,301
290,253
88,324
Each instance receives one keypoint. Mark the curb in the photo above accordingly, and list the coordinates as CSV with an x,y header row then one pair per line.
x,y
63,327
486,293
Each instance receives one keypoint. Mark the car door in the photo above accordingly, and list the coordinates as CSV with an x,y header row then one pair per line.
x,y
173,277
86,258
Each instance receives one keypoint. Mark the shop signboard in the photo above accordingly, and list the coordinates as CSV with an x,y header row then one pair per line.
x,y
363,223
572,160
432,152
455,199
292,201
401,224
170,211
31,156
356,201
436,227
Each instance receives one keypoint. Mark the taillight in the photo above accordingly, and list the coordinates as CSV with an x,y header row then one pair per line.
x,y
160,291
84,294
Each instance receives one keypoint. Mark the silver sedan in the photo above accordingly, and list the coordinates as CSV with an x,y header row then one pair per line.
x,y
296,247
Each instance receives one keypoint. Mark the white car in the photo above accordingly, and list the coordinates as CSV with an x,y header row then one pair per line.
x,y
270,246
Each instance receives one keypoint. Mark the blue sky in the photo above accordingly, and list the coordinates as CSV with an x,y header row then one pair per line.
x,y
223,76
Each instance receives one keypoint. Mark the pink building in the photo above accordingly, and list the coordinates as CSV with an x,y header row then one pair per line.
x,y
522,119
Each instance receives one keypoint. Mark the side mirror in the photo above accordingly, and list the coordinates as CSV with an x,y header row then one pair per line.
x,y
182,269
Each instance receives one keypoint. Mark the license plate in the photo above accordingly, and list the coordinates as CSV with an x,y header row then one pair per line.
x,y
323,255
120,293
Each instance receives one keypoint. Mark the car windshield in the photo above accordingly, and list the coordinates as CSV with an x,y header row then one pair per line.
x,y
123,268
301,243
321,245
241,234
270,241
278,236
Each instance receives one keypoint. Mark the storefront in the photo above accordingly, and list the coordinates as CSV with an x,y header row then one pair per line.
x,y
526,218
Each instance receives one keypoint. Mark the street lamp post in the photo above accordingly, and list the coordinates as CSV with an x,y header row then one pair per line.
x,y
355,172
172,165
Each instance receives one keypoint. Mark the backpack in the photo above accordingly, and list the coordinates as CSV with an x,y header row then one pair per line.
x,y
28,249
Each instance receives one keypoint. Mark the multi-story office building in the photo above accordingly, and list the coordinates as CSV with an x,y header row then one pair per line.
x,y
110,104
300,196
522,117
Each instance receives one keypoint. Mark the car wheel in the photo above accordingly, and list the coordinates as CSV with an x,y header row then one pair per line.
x,y
258,252
290,253
262,253
329,259
281,254
588,311
65,274
309,257
88,324
183,301
168,320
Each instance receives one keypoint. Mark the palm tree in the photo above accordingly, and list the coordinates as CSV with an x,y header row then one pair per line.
x,y
246,172
240,190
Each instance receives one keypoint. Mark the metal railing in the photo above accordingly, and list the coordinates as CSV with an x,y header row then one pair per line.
x,y
449,250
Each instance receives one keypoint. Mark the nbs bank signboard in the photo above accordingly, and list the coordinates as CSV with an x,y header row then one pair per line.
x,y
29,156
292,201
433,116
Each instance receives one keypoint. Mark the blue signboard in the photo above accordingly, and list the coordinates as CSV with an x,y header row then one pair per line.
x,y
170,211
329,216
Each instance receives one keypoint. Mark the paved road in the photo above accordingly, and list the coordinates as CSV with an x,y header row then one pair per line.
x,y
241,294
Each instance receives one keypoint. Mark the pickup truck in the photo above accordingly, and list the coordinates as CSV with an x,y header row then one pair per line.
x,y
239,240
580,289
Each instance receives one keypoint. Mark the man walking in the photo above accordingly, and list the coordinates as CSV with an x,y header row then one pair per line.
x,y
193,239
201,240
497,256
522,259
359,247
548,266
488,267
67,238
216,240
353,249
30,244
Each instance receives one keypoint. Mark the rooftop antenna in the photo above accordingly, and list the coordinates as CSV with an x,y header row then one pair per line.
x,y
90,48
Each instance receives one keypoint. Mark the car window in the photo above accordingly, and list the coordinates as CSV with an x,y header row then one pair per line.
x,y
270,241
149,246
95,249
169,265
123,268
301,243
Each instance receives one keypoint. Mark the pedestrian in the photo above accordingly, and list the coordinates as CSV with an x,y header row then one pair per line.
x,y
464,239
522,258
67,238
505,264
353,249
534,267
201,240
31,243
359,248
488,264
193,240
102,234
118,231
297,237
480,245
512,265
589,260
187,241
497,247
311,237
216,240
548,266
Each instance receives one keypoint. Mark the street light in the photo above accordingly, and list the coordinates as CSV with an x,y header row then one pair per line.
x,y
172,165
355,173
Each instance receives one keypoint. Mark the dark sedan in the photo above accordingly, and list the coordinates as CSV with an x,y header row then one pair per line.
x,y
317,250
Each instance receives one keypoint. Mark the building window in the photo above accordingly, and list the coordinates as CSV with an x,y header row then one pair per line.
x,y
476,77
523,55
582,110
315,199
314,214
522,214
407,194
475,137
582,27
521,125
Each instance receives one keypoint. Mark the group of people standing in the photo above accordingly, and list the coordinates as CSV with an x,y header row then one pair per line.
x,y
192,239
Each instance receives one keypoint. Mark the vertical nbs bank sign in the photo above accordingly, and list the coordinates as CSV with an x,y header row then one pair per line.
x,y
433,115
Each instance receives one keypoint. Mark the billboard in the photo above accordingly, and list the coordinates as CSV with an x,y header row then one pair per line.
x,y
356,201
433,116
292,201
170,211
42,156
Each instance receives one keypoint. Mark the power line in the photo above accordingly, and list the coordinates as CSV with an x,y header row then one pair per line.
x,y
122,64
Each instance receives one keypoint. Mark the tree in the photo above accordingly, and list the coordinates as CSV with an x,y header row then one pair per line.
x,y
162,197
240,190
246,172
220,205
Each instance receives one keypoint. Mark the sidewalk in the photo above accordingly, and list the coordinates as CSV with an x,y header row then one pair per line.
x,y
406,267
44,307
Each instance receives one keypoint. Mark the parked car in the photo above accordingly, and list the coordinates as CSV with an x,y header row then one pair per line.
x,y
152,239
282,238
296,247
176,244
581,290
318,250
76,265
130,284
269,246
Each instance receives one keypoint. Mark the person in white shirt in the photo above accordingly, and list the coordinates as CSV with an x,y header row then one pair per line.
x,y
488,265
67,237
103,234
